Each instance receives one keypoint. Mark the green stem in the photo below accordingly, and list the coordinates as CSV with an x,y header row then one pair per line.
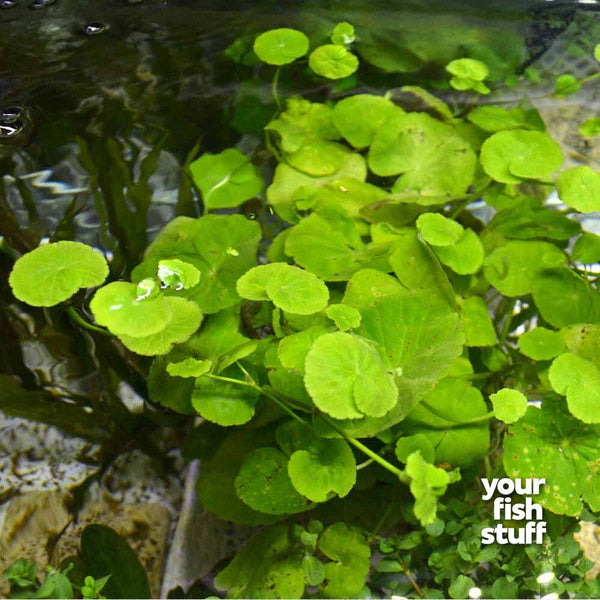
x,y
81,321
475,421
274,89
364,464
366,450
231,380
506,325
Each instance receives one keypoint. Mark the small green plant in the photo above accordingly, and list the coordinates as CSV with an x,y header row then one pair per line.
x,y
382,352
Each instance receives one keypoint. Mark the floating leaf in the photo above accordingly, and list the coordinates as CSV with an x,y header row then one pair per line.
x,y
343,34
583,340
221,247
185,320
345,317
579,380
332,248
346,378
465,257
54,272
190,367
551,443
332,61
263,483
579,188
226,179
511,268
118,307
564,298
178,274
291,185
438,230
435,160
323,469
511,156
359,117
587,248
350,553
468,74
290,288
224,403
268,566
495,118
509,405
281,46
541,343
479,329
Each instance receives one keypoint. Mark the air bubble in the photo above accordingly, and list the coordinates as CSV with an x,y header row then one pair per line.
x,y
10,114
95,28
9,130
251,216
8,3
37,4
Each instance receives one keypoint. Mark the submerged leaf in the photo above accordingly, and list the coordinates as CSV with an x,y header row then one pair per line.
x,y
54,272
541,343
509,405
579,188
332,61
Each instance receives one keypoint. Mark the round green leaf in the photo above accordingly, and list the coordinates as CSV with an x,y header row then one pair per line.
x,y
590,127
346,378
345,317
343,34
551,443
119,307
325,468
350,553
332,61
464,257
406,445
512,267
177,274
511,156
479,329
54,272
587,248
281,46
468,68
579,380
223,402
290,288
359,117
263,484
541,344
226,179
579,188
185,320
438,230
509,405
565,85
583,340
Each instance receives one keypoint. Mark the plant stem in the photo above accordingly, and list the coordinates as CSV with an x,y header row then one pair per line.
x,y
81,321
274,89
506,325
366,450
364,464
231,380
475,421
412,580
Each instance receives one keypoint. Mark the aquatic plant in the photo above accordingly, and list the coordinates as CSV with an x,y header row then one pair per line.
x,y
385,350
